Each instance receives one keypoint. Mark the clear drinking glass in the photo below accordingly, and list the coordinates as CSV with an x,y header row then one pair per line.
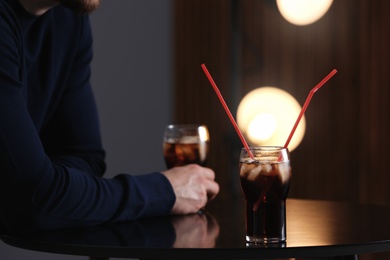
x,y
265,181
185,144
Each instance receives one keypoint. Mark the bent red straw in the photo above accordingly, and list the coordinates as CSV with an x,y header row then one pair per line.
x,y
227,110
322,82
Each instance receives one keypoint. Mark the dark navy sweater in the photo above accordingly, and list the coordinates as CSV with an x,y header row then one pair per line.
x,y
51,156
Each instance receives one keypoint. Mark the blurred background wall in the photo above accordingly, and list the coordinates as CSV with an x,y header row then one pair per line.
x,y
248,44
132,80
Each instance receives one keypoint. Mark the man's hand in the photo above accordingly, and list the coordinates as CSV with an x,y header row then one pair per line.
x,y
193,186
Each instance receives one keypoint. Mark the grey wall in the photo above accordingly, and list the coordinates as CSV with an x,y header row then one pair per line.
x,y
132,82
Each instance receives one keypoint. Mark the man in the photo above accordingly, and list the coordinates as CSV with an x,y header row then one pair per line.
x,y
51,157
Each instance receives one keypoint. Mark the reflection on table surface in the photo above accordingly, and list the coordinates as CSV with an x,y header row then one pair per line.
x,y
195,231
188,231
313,228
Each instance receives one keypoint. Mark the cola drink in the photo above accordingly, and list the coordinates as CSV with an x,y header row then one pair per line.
x,y
185,144
179,154
265,181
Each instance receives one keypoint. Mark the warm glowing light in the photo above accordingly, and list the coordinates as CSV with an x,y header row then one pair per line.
x,y
303,12
266,116
262,127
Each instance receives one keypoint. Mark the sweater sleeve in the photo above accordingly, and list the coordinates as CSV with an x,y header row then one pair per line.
x,y
50,173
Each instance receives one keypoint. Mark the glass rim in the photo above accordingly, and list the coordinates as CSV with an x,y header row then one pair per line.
x,y
265,153
185,125
265,147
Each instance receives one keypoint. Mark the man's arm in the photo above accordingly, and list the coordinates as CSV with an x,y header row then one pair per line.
x,y
55,185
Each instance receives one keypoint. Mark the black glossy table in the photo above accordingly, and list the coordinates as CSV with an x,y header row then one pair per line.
x,y
334,230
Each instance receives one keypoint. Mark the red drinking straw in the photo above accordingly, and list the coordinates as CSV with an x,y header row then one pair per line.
x,y
307,103
227,110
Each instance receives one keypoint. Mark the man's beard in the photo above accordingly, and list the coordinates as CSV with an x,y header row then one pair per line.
x,y
81,6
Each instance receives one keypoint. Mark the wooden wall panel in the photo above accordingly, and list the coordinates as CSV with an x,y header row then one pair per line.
x,y
202,35
374,68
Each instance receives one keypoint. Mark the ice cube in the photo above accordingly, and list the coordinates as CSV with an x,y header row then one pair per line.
x,y
254,172
244,170
284,172
179,152
266,170
188,152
